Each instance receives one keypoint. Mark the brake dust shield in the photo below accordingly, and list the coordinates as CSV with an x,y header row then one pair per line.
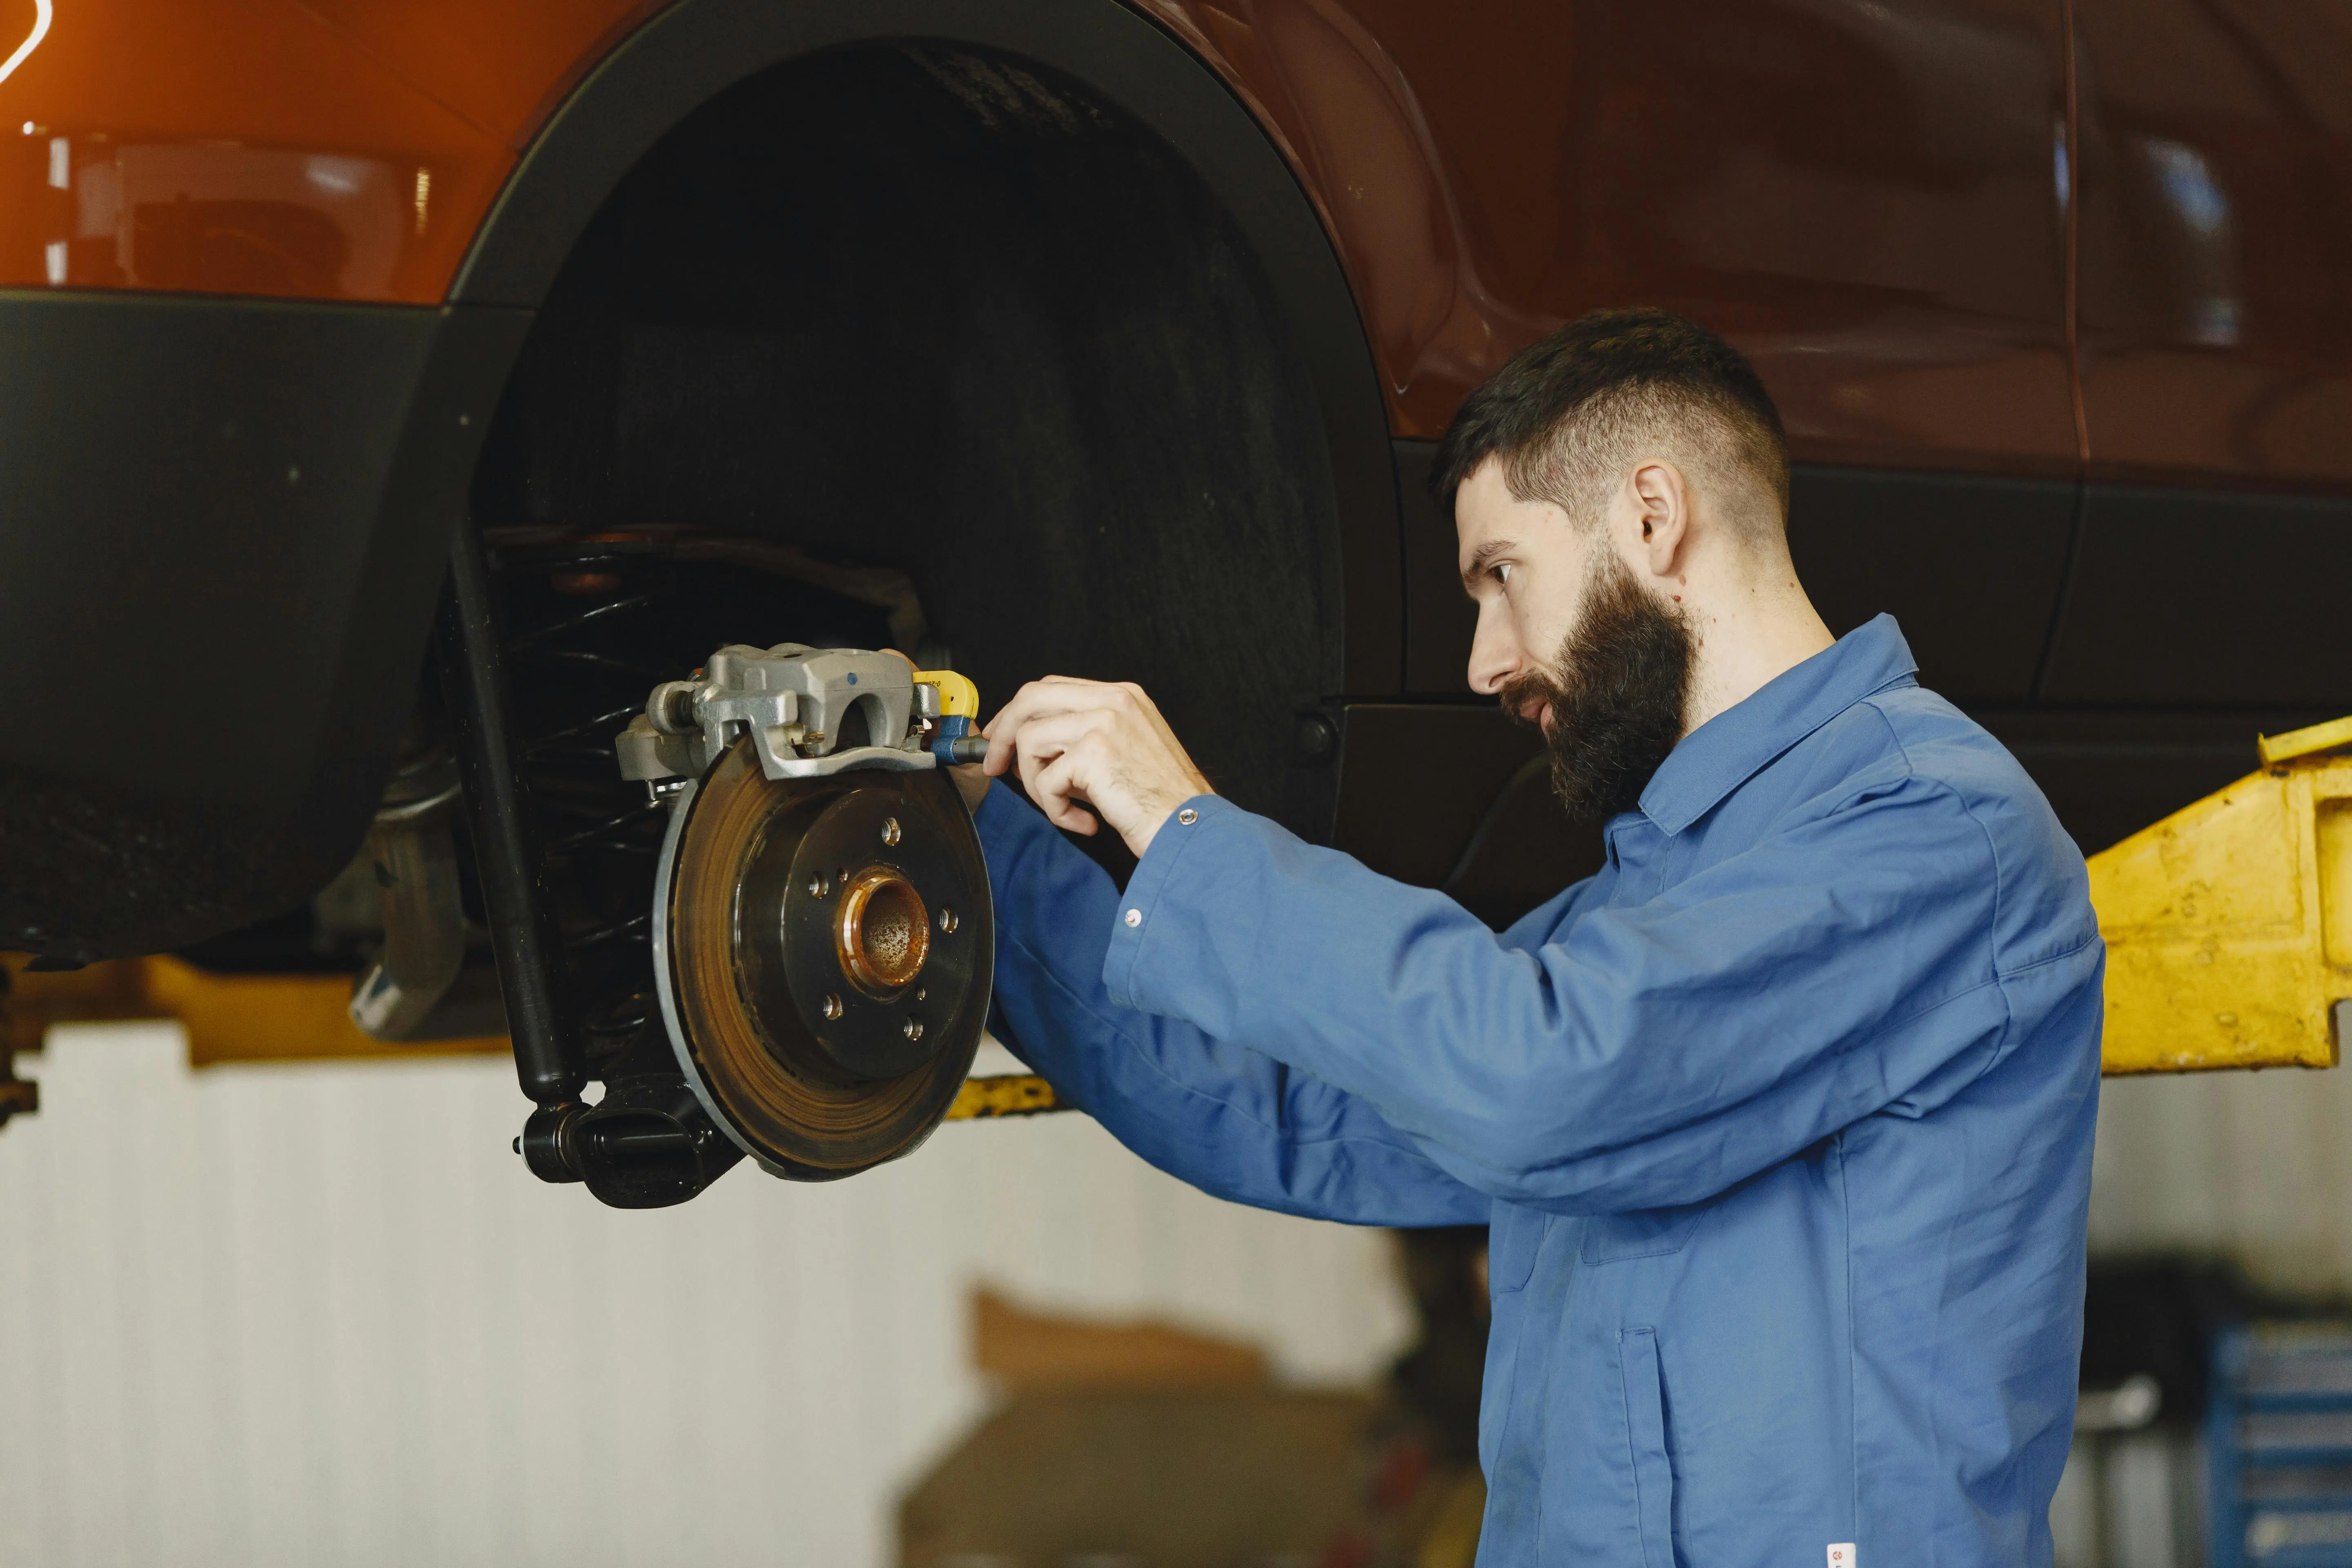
x,y
823,947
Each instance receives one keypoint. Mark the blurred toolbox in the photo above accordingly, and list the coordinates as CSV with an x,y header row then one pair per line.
x,y
2278,1446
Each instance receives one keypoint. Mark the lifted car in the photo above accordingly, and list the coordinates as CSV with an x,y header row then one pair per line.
x,y
1074,335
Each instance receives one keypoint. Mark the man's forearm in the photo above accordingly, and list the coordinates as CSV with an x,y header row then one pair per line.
x,y
1228,1119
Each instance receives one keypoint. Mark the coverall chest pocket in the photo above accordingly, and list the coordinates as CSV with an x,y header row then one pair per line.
x,y
1644,1233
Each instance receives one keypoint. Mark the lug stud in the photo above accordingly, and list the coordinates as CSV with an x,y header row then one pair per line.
x,y
819,887
948,922
921,994
912,1028
889,830
832,1006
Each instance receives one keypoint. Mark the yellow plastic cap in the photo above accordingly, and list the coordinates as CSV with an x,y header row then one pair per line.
x,y
958,695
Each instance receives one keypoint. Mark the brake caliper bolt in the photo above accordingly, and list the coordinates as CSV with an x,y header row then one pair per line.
x,y
948,922
832,1006
889,830
912,1028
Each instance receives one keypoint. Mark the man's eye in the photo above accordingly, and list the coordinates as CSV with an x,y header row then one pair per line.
x,y
1502,571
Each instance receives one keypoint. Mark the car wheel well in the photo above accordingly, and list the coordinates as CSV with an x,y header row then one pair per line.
x,y
940,307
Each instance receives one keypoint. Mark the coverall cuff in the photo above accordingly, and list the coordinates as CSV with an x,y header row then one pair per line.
x,y
989,818
1181,839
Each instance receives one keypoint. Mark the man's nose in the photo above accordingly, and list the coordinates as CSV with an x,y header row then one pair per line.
x,y
1495,653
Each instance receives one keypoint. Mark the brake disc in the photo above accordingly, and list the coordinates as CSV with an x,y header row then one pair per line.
x,y
823,948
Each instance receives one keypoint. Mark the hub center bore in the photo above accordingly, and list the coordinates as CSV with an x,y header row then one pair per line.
x,y
883,933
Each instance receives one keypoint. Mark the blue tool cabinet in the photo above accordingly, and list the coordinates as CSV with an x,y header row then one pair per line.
x,y
2278,1446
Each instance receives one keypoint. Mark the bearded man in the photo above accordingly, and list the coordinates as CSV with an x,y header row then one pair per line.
x,y
1782,1122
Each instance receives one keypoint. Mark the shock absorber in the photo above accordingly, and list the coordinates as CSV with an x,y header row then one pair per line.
x,y
565,850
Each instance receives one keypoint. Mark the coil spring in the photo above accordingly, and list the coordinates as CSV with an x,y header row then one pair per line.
x,y
594,623
578,659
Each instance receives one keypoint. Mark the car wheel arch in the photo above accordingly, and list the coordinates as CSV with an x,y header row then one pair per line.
x,y
695,53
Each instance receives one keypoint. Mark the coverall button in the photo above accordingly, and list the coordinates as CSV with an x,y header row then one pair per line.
x,y
1135,917
1188,816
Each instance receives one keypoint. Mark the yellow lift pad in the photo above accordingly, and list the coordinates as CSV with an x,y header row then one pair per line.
x,y
1009,1094
2229,924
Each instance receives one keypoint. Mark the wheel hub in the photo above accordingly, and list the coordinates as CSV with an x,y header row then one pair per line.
x,y
884,933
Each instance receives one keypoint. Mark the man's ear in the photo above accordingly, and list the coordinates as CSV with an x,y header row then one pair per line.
x,y
1662,510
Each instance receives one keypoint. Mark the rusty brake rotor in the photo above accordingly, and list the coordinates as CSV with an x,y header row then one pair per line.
x,y
823,947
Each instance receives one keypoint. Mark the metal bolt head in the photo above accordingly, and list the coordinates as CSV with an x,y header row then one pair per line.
x,y
912,1028
947,920
832,1006
819,886
922,994
889,830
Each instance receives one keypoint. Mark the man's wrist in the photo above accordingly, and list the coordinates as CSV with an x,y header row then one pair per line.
x,y
1140,840
972,781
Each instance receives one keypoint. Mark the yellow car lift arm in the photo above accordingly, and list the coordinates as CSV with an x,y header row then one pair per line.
x,y
2228,923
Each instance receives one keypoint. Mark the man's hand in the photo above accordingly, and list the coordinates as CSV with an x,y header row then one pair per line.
x,y
1092,741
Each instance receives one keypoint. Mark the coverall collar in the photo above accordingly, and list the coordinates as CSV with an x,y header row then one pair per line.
x,y
1724,753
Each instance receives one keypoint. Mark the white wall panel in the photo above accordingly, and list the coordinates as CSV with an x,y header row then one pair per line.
x,y
2257,1165
320,1316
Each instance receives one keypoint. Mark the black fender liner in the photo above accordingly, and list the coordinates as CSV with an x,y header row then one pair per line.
x,y
226,522
696,49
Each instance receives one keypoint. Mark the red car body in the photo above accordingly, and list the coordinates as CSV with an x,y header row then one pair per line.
x,y
2055,297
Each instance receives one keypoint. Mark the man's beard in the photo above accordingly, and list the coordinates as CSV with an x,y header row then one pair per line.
x,y
1616,695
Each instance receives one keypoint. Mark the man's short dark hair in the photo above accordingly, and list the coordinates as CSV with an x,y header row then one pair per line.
x,y
1568,411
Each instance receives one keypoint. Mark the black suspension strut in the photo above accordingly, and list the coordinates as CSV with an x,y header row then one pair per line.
x,y
555,629
523,932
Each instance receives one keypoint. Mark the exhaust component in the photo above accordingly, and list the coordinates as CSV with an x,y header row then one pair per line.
x,y
423,910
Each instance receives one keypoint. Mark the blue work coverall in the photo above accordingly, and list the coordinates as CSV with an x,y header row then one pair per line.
x,y
1781,1122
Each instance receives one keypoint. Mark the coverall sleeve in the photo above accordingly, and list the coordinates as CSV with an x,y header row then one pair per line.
x,y
1642,1056
1226,1119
